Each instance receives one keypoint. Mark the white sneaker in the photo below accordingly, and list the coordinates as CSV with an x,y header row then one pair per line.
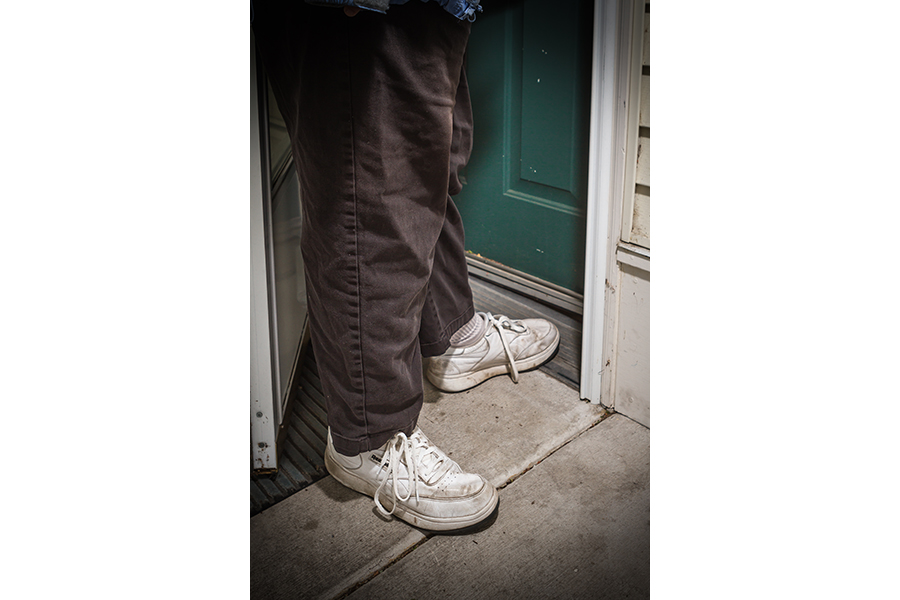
x,y
418,483
507,346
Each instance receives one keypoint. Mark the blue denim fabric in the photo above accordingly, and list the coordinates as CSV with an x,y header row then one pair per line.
x,y
461,9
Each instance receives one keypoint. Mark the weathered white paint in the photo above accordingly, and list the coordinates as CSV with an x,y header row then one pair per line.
x,y
645,47
626,367
632,391
640,228
642,175
633,256
635,114
629,352
605,182
263,405
645,101
640,221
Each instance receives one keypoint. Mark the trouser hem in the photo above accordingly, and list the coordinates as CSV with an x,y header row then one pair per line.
x,y
352,447
440,346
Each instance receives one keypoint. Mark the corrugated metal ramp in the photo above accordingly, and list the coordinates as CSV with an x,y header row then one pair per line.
x,y
301,460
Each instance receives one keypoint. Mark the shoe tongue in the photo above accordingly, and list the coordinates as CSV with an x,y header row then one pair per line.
x,y
433,464
429,462
435,468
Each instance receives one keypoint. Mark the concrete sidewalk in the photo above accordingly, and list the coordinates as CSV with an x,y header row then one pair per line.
x,y
573,519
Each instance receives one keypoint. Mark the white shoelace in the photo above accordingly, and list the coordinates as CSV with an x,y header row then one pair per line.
x,y
502,323
423,461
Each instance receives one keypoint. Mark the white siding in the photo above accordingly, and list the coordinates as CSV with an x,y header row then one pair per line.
x,y
642,175
640,229
646,57
639,232
633,377
627,371
645,101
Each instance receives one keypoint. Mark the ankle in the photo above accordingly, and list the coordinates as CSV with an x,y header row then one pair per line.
x,y
470,333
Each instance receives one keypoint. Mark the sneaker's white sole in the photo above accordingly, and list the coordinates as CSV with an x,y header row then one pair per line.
x,y
408,514
465,381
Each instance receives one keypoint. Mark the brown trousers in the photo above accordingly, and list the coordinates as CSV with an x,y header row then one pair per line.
x,y
378,113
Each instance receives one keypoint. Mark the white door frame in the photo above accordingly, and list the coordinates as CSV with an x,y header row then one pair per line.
x,y
265,409
606,181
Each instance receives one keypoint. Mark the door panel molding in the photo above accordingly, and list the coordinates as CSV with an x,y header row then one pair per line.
x,y
544,203
525,197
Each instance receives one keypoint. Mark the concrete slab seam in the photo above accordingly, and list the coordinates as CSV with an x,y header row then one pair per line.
x,y
378,572
347,591
635,422
428,536
606,415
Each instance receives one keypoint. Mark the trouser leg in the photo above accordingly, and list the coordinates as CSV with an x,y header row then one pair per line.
x,y
448,300
368,102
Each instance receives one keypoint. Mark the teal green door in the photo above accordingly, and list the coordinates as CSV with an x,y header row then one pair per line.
x,y
529,71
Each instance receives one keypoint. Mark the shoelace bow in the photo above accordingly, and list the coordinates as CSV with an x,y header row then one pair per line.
x,y
502,323
422,461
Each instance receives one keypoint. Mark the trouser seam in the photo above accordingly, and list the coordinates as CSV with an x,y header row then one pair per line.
x,y
353,179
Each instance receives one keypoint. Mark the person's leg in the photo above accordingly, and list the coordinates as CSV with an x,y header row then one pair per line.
x,y
463,348
368,101
448,299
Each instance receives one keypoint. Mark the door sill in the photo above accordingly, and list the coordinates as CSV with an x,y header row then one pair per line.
x,y
525,285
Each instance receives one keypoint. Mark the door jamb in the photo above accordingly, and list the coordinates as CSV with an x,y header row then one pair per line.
x,y
265,409
606,181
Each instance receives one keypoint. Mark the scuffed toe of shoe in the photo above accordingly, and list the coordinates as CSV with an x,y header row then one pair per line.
x,y
542,336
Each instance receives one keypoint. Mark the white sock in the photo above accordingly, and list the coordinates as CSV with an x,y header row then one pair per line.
x,y
470,333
